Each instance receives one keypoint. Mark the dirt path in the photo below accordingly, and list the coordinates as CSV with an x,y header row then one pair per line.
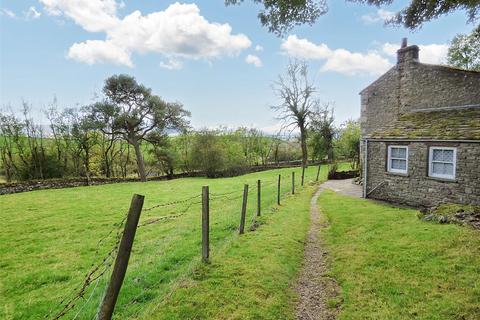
x,y
316,291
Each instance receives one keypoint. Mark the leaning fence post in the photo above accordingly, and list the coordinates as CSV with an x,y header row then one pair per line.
x,y
278,189
121,262
303,173
205,224
244,210
318,172
259,195
293,182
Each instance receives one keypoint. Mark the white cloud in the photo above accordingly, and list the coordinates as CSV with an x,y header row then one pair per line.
x,y
172,64
431,53
178,32
380,16
32,13
258,48
91,15
253,59
338,60
97,51
304,49
8,13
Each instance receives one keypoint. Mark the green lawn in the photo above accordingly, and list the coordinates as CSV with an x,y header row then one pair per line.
x,y
391,265
50,239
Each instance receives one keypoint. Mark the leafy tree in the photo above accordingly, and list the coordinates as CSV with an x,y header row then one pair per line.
x,y
296,93
131,111
83,137
281,16
415,14
208,154
464,51
347,144
323,132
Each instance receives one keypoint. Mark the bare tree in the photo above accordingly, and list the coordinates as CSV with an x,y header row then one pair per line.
x,y
296,93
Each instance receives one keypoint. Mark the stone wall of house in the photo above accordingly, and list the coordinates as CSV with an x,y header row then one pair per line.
x,y
416,188
411,85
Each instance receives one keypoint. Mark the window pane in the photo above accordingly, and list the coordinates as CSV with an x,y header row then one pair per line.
x,y
394,152
399,164
437,168
448,155
448,169
437,155
402,153
399,153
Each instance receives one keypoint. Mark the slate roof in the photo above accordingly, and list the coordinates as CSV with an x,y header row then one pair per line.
x,y
461,124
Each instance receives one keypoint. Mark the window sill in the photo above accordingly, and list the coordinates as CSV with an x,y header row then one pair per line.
x,y
443,179
397,174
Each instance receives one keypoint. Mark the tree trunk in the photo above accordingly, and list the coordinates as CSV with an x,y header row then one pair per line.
x,y
140,162
303,141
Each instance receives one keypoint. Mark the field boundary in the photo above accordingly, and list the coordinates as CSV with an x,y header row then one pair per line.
x,y
26,186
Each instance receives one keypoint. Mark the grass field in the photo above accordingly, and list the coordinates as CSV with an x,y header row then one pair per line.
x,y
51,238
391,265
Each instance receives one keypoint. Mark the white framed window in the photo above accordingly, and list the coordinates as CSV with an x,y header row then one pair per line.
x,y
442,162
397,159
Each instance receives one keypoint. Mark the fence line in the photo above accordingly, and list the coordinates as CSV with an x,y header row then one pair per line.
x,y
266,196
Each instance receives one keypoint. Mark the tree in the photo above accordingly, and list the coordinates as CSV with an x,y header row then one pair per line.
x,y
296,94
348,142
323,132
131,111
418,12
464,51
281,16
208,154
83,136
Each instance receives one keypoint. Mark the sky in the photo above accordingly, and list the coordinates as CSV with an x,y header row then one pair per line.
x,y
216,60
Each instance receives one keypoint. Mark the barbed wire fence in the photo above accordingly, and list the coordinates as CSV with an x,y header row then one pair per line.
x,y
229,213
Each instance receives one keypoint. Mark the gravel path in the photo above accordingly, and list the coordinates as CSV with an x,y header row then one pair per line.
x,y
315,289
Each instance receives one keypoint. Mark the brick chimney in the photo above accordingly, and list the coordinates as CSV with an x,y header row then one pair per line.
x,y
407,53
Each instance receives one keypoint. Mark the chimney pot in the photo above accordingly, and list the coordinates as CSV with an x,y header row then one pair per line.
x,y
407,53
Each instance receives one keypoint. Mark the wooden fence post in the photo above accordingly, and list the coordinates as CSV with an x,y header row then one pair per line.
x,y
244,210
121,262
303,174
293,182
259,197
278,189
205,224
318,172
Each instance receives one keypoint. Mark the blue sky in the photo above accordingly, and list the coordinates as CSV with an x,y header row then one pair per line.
x,y
195,52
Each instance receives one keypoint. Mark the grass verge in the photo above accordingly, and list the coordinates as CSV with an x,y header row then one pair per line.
x,y
390,265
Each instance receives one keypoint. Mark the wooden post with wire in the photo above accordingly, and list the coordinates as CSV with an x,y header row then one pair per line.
x,y
259,197
241,230
278,189
121,262
303,174
293,182
205,224
318,172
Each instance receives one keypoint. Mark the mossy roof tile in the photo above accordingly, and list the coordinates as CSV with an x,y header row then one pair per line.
x,y
462,124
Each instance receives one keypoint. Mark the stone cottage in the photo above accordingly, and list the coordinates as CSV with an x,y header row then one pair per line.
x,y
420,127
